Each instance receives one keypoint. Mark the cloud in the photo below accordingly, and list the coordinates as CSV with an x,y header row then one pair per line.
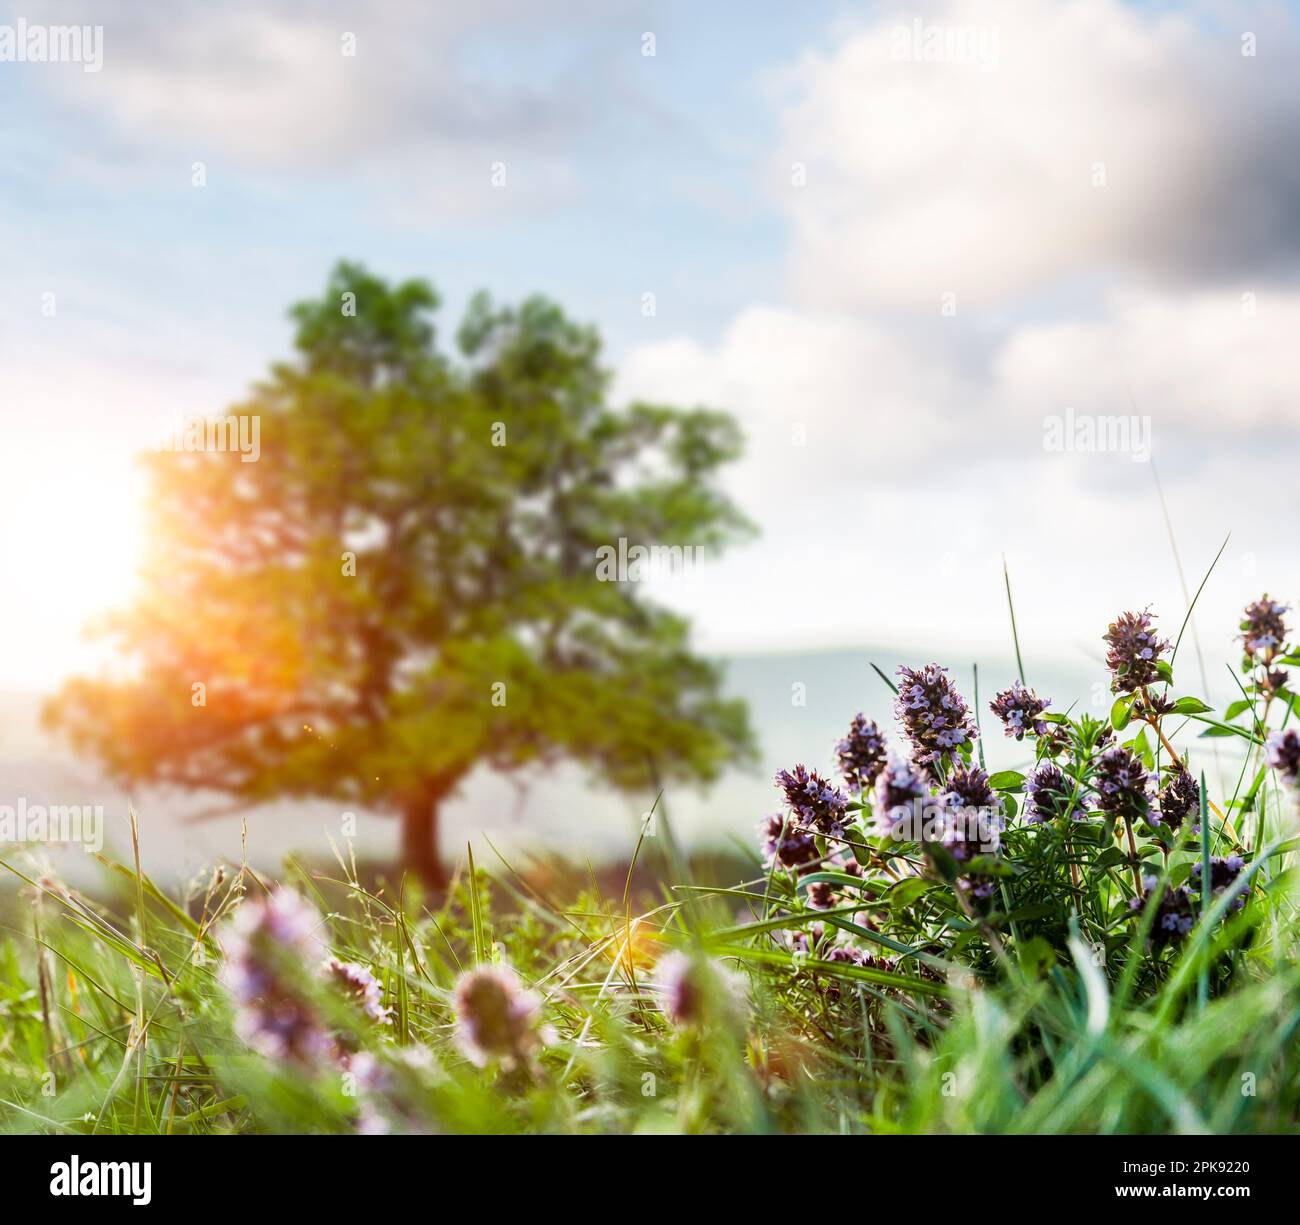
x,y
976,175
416,109
890,468
1202,365
820,395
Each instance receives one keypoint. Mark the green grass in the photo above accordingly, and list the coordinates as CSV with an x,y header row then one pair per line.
x,y
115,1020
1105,969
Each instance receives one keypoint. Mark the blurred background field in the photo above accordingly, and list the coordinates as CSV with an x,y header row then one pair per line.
x,y
560,813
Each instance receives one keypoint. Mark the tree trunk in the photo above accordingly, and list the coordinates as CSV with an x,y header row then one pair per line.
x,y
420,839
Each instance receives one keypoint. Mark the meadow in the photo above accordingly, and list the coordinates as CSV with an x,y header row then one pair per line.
x,y
1100,943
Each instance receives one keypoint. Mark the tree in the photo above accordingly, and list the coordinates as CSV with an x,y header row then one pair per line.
x,y
404,584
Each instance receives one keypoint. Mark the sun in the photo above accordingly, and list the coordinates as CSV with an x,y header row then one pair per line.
x,y
71,543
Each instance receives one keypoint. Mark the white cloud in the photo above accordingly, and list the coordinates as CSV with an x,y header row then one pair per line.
x,y
1198,362
411,113
929,177
820,395
922,467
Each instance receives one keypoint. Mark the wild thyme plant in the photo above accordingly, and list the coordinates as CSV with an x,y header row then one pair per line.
x,y
924,856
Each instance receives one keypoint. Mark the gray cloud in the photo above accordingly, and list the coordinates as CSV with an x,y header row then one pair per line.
x,y
1101,141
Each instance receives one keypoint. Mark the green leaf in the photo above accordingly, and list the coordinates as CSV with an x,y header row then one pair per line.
x,y
842,880
1240,706
943,861
1007,780
1166,670
906,892
1142,747
1191,706
1111,856
1119,712
1036,955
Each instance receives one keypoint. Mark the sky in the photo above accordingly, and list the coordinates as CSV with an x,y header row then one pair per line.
x,y
907,247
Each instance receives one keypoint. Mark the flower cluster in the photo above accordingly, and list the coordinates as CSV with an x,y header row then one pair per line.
x,y
1263,639
786,843
1175,912
1121,783
951,819
267,943
1134,650
855,956
1048,791
1283,749
1020,710
820,895
848,954
968,789
810,942
934,715
1178,799
899,787
270,943
1223,873
496,1018
684,985
1263,631
973,823
861,754
361,985
813,800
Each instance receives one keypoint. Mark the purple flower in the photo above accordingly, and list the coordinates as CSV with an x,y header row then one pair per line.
x,y
969,787
786,843
1284,754
809,941
974,816
1179,799
1175,912
820,895
496,1017
852,955
359,983
684,985
1121,783
813,800
901,789
934,715
1020,710
1223,872
267,944
1048,792
861,754
1263,631
1134,651
847,954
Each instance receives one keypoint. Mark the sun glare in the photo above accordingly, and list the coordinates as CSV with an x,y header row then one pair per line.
x,y
75,541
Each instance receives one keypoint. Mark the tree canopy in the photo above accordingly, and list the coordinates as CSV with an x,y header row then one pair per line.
x,y
403,585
